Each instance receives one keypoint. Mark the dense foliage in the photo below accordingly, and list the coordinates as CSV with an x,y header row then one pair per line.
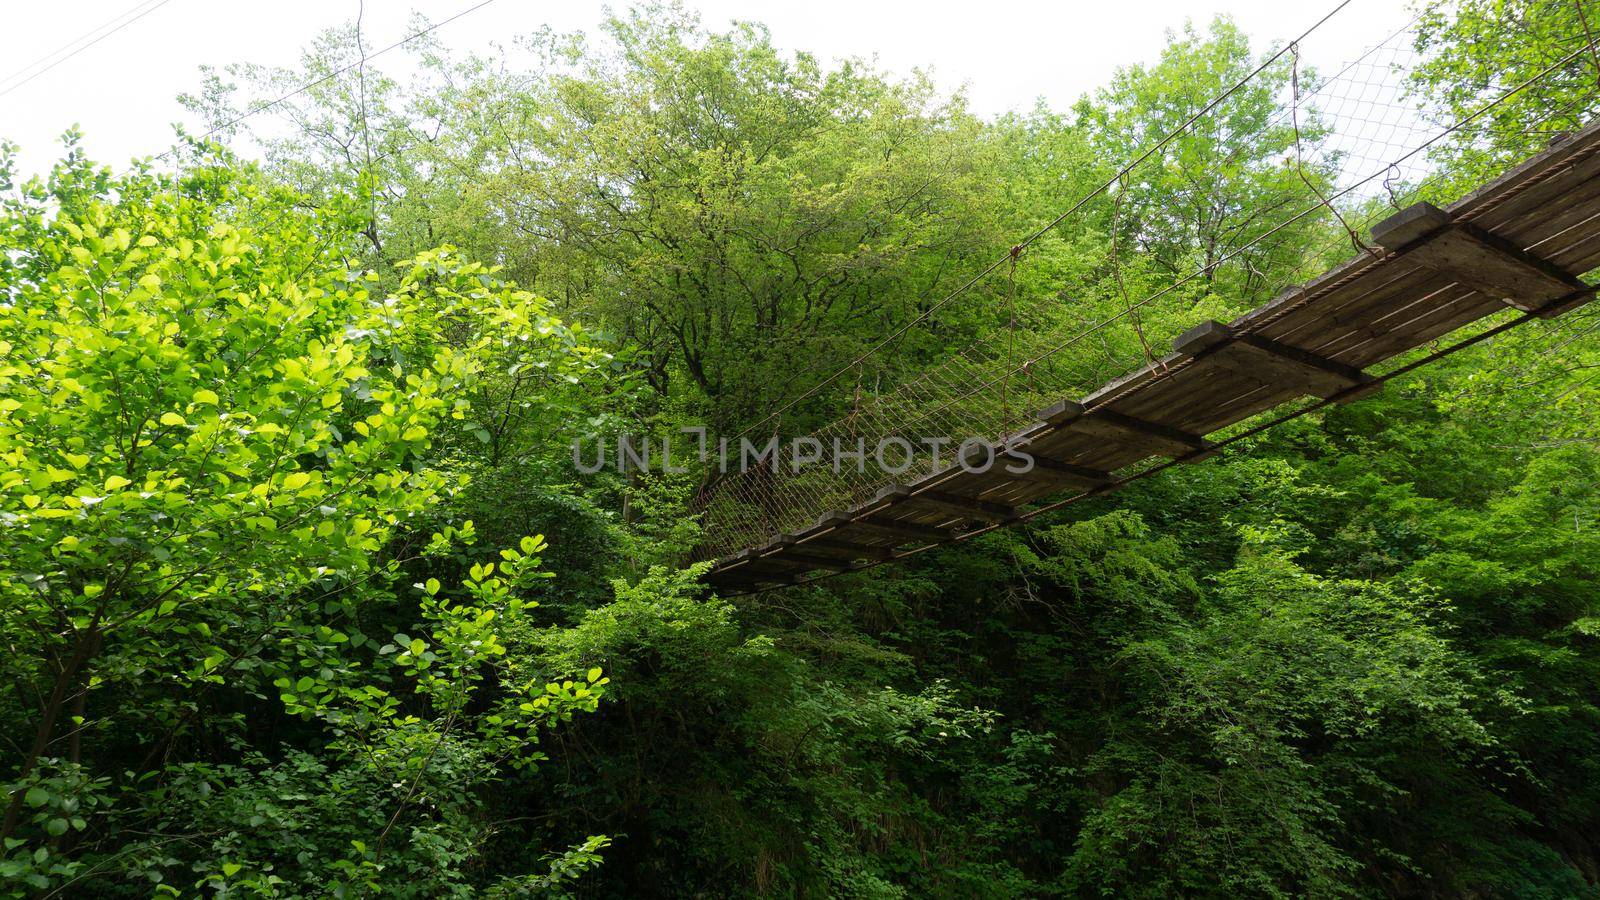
x,y
302,596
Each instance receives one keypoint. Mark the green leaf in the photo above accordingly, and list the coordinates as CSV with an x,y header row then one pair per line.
x,y
36,796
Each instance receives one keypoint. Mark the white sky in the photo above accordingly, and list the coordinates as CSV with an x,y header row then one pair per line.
x,y
122,89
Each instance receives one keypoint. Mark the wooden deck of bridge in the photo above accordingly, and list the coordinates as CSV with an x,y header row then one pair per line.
x,y
1520,241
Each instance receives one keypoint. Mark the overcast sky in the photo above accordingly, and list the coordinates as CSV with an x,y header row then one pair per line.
x,y
122,89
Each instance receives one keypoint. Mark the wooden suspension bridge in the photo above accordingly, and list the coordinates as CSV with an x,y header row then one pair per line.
x,y
1521,241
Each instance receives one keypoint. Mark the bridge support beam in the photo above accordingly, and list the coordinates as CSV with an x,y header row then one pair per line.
x,y
1425,234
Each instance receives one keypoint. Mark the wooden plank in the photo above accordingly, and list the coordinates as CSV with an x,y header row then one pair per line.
x,y
747,582
1153,401
1342,343
731,560
1425,234
1575,203
826,538
813,560
792,542
1530,210
848,549
753,565
1153,437
992,470
1510,189
1394,282
891,495
1128,431
838,526
1422,286
1579,254
1410,226
1584,257
1557,245
1268,362
1431,324
1056,472
905,531
1344,277
768,558
1253,398
1082,449
970,507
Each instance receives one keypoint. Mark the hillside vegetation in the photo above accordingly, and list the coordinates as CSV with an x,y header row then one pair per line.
x,y
301,594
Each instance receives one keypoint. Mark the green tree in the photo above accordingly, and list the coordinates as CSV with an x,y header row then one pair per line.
x,y
1201,203
1473,52
214,435
727,211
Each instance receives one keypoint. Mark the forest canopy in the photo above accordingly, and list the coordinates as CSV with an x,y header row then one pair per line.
x,y
302,596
